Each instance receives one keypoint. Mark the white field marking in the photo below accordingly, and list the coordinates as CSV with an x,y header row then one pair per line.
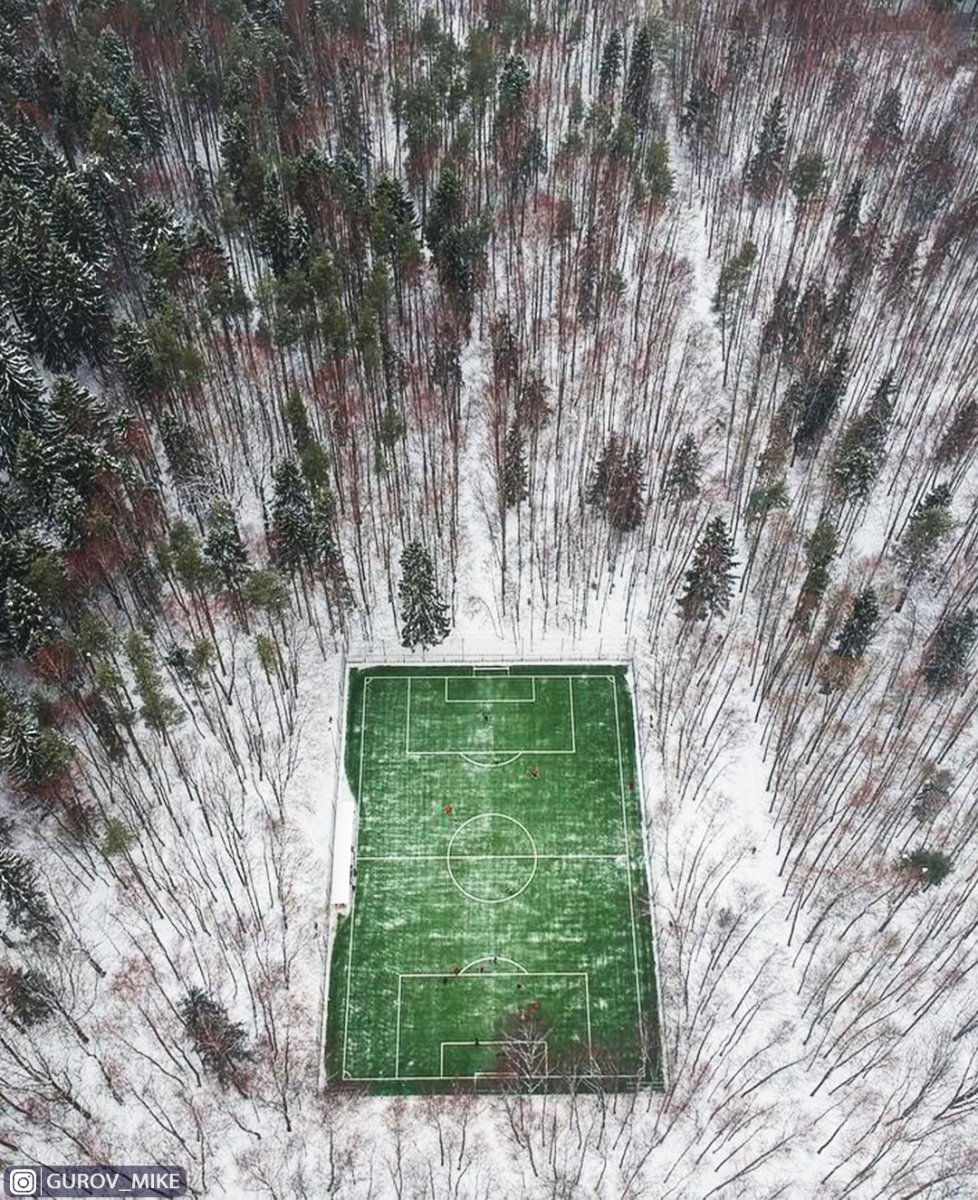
x,y
646,848
521,974
440,857
494,958
353,895
532,699
397,1036
509,1074
487,899
441,1056
495,974
500,670
500,750
488,766
480,1074
587,1007
631,896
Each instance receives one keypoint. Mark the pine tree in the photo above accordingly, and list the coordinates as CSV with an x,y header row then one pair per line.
x,y
946,658
26,996
709,582
764,167
424,614
223,547
860,626
733,278
684,478
160,712
820,549
514,467
221,1043
610,69
808,177
929,525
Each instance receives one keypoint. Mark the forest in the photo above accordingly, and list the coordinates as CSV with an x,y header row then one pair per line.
x,y
519,328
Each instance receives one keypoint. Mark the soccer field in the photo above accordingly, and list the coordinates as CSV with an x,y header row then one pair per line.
x,y
500,931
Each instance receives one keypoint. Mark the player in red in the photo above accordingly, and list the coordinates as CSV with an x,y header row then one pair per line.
x,y
448,810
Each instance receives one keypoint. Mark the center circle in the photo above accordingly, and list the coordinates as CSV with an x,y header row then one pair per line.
x,y
491,858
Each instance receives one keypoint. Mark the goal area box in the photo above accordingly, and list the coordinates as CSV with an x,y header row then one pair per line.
x,y
500,930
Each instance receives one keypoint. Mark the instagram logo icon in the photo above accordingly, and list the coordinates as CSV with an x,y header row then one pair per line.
x,y
20,1181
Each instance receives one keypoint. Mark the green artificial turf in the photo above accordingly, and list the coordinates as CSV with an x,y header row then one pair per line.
x,y
508,940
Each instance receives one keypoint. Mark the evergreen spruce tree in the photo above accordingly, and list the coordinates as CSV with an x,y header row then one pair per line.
x,y
947,656
294,536
625,503
189,464
605,472
514,87
394,225
27,623
700,111
764,168
26,908
960,437
26,996
886,130
684,477
818,401
21,403
514,467
709,582
861,451
223,547
929,867
637,99
808,177
928,527
424,614
933,795
860,626
221,1043
610,69
849,218
76,310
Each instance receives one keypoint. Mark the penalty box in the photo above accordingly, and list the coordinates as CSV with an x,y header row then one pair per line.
x,y
518,715
434,1018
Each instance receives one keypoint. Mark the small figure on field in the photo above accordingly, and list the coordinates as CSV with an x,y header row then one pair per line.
x,y
534,772
448,810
